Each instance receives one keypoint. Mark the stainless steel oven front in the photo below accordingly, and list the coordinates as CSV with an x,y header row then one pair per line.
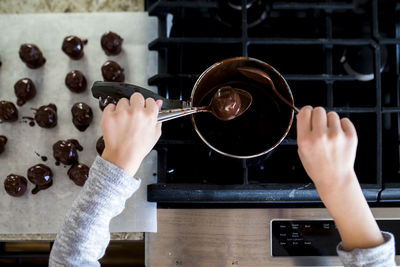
x,y
308,237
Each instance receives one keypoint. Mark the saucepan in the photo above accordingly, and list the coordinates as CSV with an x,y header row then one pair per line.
x,y
256,132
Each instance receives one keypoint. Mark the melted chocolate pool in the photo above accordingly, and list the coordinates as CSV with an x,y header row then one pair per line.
x,y
24,90
66,151
255,131
79,173
41,176
46,116
82,116
8,111
31,55
15,185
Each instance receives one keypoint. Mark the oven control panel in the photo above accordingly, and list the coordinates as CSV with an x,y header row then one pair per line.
x,y
314,237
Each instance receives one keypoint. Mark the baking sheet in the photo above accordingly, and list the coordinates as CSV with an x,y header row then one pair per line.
x,y
44,212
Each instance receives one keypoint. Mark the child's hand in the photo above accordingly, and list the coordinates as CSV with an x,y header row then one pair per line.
x,y
130,130
327,147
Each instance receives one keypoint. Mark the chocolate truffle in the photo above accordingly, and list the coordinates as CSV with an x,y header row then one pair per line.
x,y
227,103
100,145
108,100
65,151
24,90
46,116
112,72
73,46
82,116
111,43
15,185
3,142
41,176
75,81
31,55
78,173
8,111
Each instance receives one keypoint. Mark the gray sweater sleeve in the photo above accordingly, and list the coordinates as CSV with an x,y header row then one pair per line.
x,y
380,256
84,235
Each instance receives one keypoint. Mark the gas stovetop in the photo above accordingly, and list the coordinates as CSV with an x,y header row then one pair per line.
x,y
342,55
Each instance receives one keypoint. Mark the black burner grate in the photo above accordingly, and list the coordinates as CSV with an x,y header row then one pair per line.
x,y
309,43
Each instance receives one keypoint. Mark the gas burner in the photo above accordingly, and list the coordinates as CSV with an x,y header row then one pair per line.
x,y
359,61
230,12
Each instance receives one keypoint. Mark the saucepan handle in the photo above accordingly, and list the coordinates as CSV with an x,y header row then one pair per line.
x,y
120,90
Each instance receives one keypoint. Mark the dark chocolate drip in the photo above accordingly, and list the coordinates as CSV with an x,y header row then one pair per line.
x,y
41,176
8,111
30,119
31,55
112,72
24,90
65,151
73,47
111,43
76,81
79,173
15,185
82,116
3,142
46,116
100,145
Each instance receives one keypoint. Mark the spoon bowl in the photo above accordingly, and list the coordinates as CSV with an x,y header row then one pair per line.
x,y
226,104
263,78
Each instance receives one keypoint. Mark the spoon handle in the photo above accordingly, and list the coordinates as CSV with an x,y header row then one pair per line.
x,y
170,114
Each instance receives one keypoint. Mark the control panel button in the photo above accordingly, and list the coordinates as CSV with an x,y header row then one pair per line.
x,y
295,235
326,226
295,226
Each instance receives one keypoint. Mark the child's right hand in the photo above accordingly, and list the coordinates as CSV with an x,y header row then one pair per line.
x,y
130,130
327,147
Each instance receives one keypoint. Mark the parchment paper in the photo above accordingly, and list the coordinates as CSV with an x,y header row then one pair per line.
x,y
44,212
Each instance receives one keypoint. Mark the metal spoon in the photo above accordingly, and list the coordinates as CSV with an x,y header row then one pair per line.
x,y
226,104
262,77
